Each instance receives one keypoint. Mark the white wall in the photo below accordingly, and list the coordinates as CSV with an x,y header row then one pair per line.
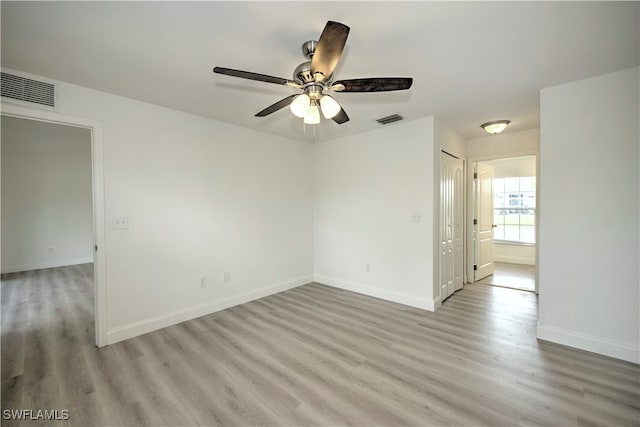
x,y
47,216
589,209
367,188
513,167
514,254
507,144
203,198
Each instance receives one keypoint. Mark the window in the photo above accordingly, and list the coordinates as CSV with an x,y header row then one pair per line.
x,y
514,203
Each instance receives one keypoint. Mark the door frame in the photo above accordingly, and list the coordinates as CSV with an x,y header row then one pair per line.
x,y
471,194
97,170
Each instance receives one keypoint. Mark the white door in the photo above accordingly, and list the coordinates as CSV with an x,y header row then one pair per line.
x,y
451,224
483,223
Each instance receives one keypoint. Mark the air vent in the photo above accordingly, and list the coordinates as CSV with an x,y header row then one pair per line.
x,y
390,119
28,90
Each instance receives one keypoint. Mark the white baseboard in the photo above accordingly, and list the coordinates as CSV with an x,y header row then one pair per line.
x,y
437,303
514,260
46,264
609,348
149,325
423,303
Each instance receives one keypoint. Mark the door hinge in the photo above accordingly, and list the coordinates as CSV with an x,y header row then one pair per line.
x,y
475,175
95,248
475,267
475,221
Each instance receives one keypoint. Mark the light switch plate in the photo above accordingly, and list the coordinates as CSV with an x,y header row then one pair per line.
x,y
119,222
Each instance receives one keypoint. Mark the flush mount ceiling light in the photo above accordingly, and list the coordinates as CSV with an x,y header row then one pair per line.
x,y
496,126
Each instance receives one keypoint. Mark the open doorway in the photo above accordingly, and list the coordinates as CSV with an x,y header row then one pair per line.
x,y
47,218
504,227
47,236
52,224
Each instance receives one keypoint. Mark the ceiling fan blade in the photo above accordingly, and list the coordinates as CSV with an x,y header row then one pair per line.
x,y
277,106
341,117
329,49
254,76
375,84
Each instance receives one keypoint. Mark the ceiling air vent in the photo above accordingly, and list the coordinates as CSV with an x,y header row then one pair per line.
x,y
28,90
390,119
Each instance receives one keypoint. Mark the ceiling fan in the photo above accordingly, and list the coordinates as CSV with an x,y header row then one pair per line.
x,y
315,77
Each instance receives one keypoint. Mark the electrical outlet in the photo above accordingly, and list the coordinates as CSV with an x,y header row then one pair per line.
x,y
119,222
50,249
227,276
417,217
368,268
203,282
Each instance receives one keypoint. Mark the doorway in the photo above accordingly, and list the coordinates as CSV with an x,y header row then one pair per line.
x,y
504,212
47,213
47,235
53,252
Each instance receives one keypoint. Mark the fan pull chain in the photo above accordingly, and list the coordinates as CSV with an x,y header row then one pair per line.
x,y
304,130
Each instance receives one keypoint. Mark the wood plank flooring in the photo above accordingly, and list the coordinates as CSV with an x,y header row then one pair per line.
x,y
313,355
516,276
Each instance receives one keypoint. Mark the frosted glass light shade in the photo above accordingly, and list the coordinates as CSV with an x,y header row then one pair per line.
x,y
329,106
495,127
300,105
313,116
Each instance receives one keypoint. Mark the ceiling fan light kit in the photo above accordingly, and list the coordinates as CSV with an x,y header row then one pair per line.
x,y
329,106
315,76
312,117
300,105
496,126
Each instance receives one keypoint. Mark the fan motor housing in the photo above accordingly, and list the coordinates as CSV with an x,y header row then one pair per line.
x,y
302,73
309,48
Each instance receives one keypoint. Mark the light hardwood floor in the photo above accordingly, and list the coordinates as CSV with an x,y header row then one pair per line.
x,y
516,276
313,355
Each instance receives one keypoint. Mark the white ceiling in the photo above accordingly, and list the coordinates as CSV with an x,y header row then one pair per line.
x,y
471,62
